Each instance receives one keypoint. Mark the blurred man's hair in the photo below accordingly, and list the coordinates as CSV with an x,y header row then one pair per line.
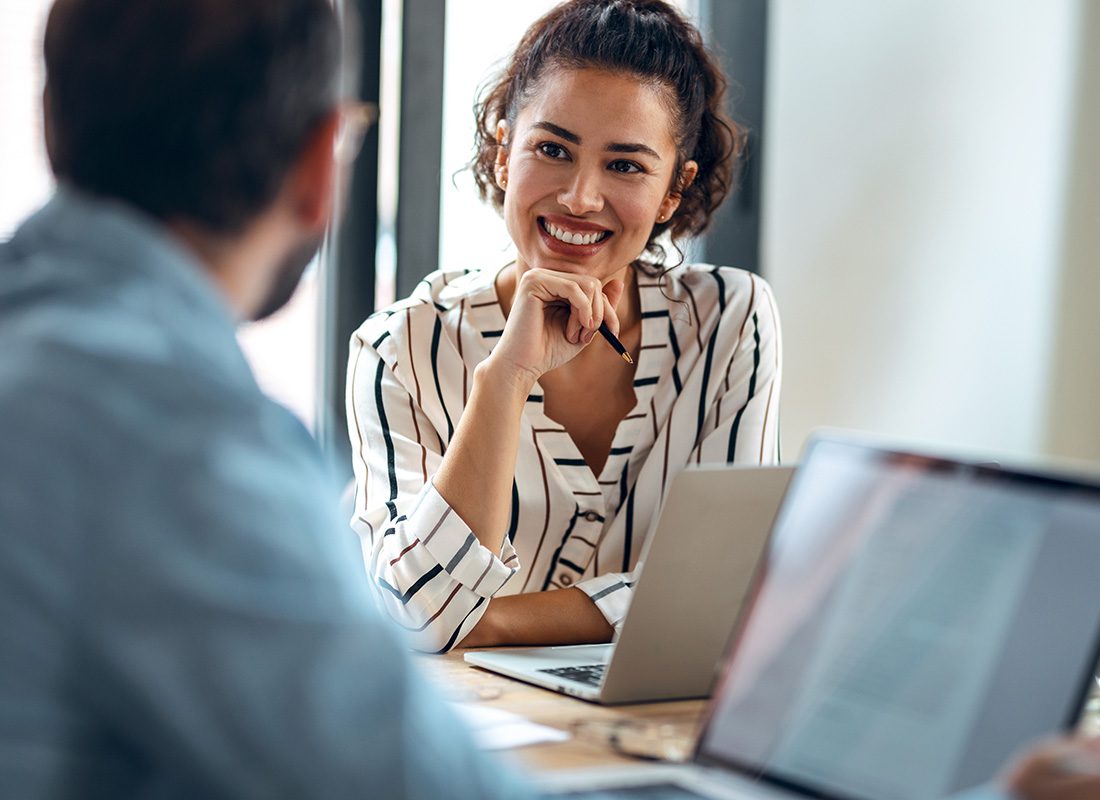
x,y
188,109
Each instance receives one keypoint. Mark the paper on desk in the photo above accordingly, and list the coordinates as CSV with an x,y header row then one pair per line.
x,y
494,729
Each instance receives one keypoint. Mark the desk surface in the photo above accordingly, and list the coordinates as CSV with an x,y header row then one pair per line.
x,y
671,723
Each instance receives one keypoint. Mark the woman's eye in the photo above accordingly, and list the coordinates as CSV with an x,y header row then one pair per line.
x,y
625,167
552,150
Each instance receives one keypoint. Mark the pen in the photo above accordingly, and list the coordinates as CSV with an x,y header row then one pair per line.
x,y
606,333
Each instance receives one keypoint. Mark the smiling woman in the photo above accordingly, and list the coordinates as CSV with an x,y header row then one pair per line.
x,y
592,161
499,453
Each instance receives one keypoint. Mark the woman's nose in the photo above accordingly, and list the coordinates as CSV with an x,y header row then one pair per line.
x,y
582,194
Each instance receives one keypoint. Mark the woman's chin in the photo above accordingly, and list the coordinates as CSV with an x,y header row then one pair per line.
x,y
599,267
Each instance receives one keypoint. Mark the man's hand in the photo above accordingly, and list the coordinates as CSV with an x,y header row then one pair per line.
x,y
1063,769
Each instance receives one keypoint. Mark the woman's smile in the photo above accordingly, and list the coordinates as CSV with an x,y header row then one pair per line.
x,y
588,165
571,237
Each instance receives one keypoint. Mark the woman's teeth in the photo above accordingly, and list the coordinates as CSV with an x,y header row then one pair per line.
x,y
572,238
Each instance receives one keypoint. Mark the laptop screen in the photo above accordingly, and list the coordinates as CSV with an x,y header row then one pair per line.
x,y
915,622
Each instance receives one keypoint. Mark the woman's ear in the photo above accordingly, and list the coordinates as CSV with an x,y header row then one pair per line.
x,y
500,172
687,175
676,193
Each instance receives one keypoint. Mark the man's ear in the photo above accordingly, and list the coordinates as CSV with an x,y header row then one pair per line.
x,y
311,185
47,126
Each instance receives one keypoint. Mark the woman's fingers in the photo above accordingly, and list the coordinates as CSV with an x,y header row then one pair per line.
x,y
598,311
611,318
550,306
573,326
581,292
612,293
580,311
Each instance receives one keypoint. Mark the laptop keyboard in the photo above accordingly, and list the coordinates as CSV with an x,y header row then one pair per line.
x,y
592,674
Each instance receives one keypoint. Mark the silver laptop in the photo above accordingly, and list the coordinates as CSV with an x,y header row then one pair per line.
x,y
915,622
666,649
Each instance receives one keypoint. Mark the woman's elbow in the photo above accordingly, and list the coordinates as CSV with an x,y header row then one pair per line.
x,y
431,627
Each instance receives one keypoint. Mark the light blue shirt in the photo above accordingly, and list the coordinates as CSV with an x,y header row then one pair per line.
x,y
182,613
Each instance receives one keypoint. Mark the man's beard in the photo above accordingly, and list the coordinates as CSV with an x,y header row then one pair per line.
x,y
288,276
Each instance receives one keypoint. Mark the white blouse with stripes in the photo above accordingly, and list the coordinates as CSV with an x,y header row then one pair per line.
x,y
707,385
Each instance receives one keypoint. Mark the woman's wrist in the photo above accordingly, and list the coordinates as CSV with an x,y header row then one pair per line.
x,y
516,380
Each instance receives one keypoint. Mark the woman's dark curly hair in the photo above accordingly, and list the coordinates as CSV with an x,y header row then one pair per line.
x,y
648,39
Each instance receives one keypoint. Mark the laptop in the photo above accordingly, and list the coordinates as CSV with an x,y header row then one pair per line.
x,y
666,649
915,622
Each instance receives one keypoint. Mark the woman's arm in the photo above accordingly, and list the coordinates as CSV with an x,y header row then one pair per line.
x,y
431,575
554,316
433,514
476,474
561,616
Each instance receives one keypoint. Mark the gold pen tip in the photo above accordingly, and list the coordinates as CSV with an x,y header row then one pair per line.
x,y
627,358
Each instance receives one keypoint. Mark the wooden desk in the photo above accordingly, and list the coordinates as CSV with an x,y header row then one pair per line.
x,y
676,722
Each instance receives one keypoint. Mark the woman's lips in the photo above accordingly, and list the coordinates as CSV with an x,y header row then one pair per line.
x,y
572,240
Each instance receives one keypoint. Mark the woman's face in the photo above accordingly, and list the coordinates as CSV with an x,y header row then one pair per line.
x,y
588,171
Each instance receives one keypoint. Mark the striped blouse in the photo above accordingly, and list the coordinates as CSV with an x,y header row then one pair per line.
x,y
707,385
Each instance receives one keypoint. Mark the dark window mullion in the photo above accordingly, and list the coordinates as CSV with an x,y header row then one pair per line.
x,y
738,31
348,282
421,142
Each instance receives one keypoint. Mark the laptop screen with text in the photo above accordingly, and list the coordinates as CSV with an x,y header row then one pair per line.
x,y
914,623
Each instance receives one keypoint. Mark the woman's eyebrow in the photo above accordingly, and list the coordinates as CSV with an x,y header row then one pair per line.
x,y
614,147
557,130
618,147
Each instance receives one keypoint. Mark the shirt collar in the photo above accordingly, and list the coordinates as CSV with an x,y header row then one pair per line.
x,y
117,240
112,246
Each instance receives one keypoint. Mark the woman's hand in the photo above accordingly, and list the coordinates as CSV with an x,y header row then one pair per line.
x,y
1065,769
554,316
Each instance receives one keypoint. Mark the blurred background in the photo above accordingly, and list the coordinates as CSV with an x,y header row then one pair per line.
x,y
922,191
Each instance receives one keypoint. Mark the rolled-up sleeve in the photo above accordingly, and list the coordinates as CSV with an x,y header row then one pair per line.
x,y
432,574
612,594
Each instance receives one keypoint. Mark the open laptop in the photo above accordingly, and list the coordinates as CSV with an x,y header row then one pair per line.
x,y
666,649
914,623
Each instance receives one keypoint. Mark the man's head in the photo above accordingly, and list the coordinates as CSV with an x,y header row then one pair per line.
x,y
205,114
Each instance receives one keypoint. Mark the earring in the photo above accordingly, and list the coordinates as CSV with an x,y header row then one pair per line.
x,y
502,178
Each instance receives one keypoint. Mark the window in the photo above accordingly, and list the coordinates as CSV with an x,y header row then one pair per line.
x,y
27,180
282,349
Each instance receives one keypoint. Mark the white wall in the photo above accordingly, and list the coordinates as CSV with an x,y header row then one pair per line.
x,y
1073,414
917,188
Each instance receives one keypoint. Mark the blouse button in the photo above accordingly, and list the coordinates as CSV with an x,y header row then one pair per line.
x,y
565,579
592,516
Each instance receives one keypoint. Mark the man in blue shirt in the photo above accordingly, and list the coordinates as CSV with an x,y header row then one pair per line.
x,y
183,614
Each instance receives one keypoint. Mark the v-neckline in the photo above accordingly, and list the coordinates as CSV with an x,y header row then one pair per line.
x,y
654,319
